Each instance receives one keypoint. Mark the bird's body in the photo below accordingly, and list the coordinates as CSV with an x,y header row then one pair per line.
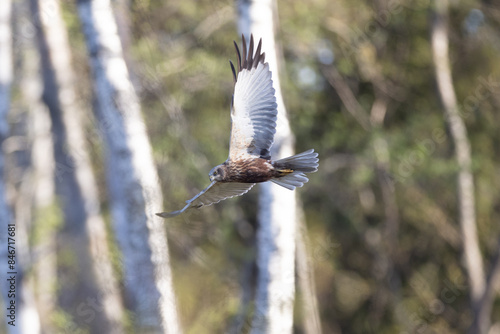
x,y
248,171
253,117
255,170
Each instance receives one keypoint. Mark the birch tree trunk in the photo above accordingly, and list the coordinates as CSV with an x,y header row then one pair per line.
x,y
35,185
5,87
131,176
31,187
276,232
21,313
466,198
84,232
42,179
305,276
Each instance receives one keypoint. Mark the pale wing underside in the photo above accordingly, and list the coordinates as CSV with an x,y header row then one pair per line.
x,y
214,193
254,109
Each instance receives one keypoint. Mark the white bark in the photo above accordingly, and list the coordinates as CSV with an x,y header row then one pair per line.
x,y
5,85
35,190
276,234
26,315
467,215
305,276
5,64
42,159
73,165
132,178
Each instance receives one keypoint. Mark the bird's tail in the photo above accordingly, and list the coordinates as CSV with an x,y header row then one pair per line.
x,y
292,169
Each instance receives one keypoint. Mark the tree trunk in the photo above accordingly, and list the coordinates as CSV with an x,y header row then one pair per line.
x,y
84,231
5,211
30,148
466,200
276,232
305,276
44,202
21,313
5,87
131,176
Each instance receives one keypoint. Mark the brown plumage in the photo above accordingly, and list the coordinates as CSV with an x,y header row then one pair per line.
x,y
254,170
249,171
253,117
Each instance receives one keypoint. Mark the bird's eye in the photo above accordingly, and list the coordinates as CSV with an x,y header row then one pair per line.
x,y
215,172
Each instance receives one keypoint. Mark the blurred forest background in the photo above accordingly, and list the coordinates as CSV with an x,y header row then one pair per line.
x,y
398,239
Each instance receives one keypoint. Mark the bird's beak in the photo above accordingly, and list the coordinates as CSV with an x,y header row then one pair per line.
x,y
211,178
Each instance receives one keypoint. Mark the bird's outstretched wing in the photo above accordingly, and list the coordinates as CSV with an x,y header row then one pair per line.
x,y
254,108
214,193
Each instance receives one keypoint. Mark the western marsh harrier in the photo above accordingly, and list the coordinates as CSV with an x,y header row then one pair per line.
x,y
253,125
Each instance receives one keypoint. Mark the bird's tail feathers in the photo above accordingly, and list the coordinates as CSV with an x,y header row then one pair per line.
x,y
305,162
294,168
291,181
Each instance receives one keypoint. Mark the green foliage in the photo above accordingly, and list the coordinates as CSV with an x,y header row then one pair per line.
x,y
367,280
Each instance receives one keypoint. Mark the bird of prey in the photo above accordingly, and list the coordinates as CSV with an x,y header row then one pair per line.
x,y
253,125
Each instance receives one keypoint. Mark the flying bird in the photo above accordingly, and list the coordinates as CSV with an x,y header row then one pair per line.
x,y
253,125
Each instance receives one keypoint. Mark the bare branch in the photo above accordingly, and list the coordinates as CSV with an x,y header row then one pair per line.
x,y
485,304
467,214
347,96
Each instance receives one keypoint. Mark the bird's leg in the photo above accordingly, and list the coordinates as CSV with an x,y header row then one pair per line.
x,y
285,171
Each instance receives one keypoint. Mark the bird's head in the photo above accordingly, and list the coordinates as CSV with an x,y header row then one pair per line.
x,y
217,173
